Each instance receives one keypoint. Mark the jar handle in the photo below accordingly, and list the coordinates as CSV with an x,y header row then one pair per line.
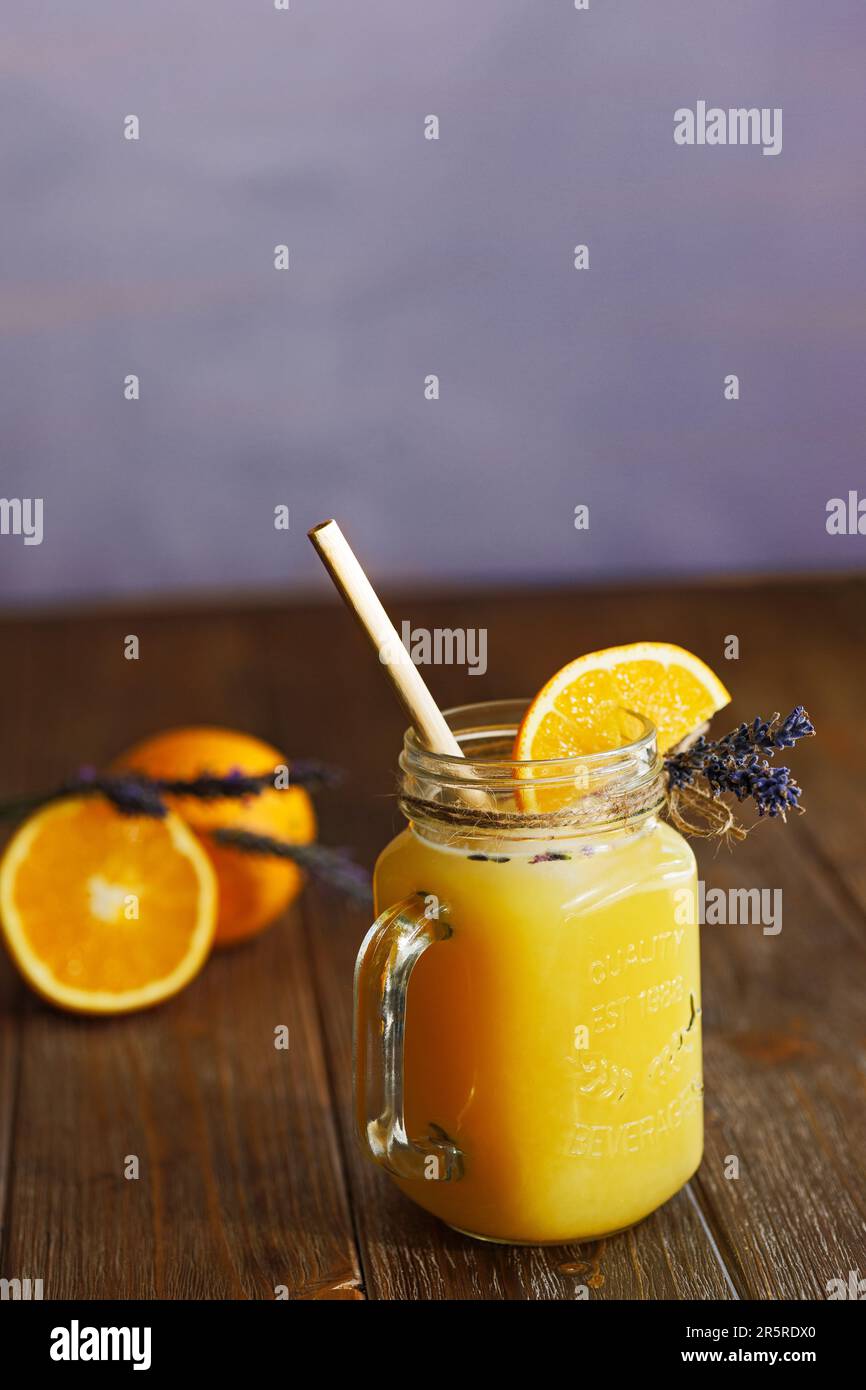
x,y
396,940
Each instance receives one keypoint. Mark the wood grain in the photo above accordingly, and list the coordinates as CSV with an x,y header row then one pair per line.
x,y
250,1178
241,1190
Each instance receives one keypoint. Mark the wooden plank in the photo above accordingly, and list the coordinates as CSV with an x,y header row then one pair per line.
x,y
14,998
831,664
784,1029
783,1021
240,1187
11,1007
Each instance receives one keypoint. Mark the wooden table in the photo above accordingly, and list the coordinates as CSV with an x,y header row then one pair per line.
x,y
249,1174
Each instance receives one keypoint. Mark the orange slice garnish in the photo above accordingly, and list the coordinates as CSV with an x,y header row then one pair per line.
x,y
584,708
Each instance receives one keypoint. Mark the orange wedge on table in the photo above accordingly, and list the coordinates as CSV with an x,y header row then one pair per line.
x,y
584,707
104,913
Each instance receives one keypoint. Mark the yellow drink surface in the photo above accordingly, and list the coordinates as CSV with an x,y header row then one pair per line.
x,y
555,1035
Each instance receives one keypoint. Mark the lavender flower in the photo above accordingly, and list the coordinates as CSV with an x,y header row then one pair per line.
x,y
135,794
237,783
735,765
333,867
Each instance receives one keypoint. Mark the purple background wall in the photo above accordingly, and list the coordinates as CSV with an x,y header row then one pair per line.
x,y
411,257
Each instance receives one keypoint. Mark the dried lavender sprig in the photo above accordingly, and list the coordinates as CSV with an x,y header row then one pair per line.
x,y
333,867
133,798
733,764
764,735
210,787
769,735
309,772
773,789
137,795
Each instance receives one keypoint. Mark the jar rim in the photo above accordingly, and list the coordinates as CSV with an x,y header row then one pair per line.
x,y
476,724
614,786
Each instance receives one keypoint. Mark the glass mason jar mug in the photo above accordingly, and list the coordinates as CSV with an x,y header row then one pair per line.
x,y
527,1005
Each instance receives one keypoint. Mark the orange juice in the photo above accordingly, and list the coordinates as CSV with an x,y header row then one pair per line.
x,y
550,1029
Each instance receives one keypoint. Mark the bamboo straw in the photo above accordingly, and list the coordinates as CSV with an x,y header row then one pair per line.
x,y
341,563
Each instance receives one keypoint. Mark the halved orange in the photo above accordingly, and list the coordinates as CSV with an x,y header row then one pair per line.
x,y
254,889
581,709
104,913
